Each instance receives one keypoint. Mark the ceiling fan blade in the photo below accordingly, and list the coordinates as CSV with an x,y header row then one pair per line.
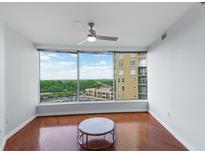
x,y
108,38
82,42
81,23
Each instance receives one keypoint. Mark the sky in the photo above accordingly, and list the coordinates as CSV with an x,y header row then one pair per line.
x,y
63,66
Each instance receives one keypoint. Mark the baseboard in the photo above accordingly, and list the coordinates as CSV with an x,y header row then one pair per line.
x,y
3,144
20,127
174,133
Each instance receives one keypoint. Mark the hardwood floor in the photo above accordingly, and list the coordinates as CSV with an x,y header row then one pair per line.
x,y
134,131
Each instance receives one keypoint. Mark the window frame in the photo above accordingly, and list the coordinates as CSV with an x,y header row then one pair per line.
x,y
78,73
53,51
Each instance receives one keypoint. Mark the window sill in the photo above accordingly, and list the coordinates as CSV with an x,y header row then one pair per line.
x,y
70,108
94,102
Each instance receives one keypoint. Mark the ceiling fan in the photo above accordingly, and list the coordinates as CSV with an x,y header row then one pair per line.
x,y
92,37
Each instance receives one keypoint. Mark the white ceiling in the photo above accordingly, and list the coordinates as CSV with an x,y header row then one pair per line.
x,y
136,24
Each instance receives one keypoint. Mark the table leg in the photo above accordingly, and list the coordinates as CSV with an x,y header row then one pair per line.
x,y
113,136
86,140
82,138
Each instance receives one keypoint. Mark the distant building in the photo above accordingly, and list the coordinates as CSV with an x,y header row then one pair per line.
x,y
130,76
100,93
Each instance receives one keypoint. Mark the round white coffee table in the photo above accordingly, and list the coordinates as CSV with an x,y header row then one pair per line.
x,y
96,127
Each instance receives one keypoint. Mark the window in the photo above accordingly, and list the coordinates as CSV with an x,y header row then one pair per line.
x,y
120,64
142,62
142,71
121,72
142,80
132,62
123,88
96,75
119,88
58,77
142,96
86,76
142,89
132,72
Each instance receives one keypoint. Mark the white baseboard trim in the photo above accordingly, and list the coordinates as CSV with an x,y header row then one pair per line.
x,y
20,127
3,144
174,133
15,131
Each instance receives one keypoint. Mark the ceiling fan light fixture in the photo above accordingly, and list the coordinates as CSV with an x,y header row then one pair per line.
x,y
91,38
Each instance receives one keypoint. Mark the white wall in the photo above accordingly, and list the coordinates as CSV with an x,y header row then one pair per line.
x,y
176,79
22,79
2,85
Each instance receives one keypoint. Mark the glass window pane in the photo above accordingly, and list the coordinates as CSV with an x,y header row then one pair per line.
x,y
58,77
96,77
132,72
133,76
132,62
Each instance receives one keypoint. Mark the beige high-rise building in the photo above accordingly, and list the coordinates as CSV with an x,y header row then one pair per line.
x,y
130,76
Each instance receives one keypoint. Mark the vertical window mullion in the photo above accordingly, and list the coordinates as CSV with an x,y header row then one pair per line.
x,y
78,77
39,75
114,95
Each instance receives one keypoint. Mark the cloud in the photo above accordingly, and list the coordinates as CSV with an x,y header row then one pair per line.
x,y
45,58
96,72
53,55
66,63
103,62
53,66
58,70
100,55
94,68
59,75
73,55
